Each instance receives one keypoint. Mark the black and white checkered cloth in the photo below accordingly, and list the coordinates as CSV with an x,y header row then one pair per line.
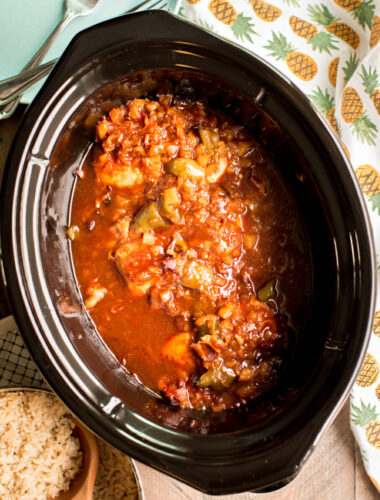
x,y
17,369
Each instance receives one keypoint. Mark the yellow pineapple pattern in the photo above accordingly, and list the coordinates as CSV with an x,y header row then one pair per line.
x,y
348,4
225,12
321,41
321,15
369,181
372,433
376,322
375,32
352,105
300,64
333,71
361,10
352,111
377,392
265,11
369,371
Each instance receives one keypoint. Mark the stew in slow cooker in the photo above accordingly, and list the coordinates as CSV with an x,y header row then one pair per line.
x,y
189,252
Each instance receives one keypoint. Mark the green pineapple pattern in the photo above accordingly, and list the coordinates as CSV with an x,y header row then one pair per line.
x,y
205,25
366,417
363,13
375,202
370,80
324,42
300,64
365,130
350,66
363,415
321,15
243,28
326,105
292,3
241,25
319,40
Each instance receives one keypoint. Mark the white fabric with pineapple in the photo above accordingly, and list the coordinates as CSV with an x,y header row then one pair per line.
x,y
331,50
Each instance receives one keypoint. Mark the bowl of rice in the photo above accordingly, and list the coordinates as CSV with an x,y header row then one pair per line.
x,y
42,454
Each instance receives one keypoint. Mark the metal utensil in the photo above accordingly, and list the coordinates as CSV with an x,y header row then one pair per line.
x,y
72,8
12,88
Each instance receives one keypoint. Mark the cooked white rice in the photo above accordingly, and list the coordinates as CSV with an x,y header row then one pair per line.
x,y
39,456
115,479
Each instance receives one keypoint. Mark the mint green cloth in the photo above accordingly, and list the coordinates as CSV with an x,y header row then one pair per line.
x,y
25,25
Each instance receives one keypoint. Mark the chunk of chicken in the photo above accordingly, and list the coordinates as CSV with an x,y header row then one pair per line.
x,y
95,293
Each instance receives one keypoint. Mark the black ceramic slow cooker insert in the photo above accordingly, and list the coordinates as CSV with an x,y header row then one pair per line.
x,y
253,448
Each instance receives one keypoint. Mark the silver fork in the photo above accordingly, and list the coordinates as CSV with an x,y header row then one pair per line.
x,y
72,8
12,88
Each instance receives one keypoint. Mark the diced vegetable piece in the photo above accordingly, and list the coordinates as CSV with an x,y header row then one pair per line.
x,y
102,129
214,138
249,240
210,138
214,171
119,176
177,349
136,108
203,160
177,245
169,205
208,324
186,168
219,378
205,134
117,114
148,218
171,198
139,289
246,374
267,292
197,275
202,330
149,239
72,231
226,325
243,147
226,311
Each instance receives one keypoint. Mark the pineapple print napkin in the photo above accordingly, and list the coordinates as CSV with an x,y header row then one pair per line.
x,y
331,50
